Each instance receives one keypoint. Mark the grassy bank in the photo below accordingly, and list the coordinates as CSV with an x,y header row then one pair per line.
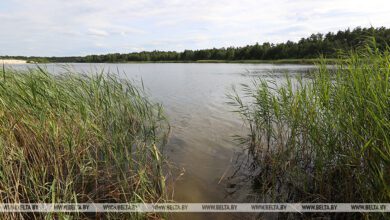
x,y
282,61
76,138
325,138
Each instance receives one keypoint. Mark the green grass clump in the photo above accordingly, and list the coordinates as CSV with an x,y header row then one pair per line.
x,y
322,138
74,138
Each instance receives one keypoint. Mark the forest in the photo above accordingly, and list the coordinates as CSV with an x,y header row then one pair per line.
x,y
327,45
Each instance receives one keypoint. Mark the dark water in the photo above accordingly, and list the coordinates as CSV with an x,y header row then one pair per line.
x,y
194,97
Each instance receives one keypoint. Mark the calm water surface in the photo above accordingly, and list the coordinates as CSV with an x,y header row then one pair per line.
x,y
194,98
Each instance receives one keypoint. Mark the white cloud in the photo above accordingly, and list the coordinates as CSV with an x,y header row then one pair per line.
x,y
97,32
72,27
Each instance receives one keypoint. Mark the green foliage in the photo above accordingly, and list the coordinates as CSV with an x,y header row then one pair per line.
x,y
325,137
311,47
327,45
77,138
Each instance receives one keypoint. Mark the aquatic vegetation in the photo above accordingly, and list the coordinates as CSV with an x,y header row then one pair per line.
x,y
78,138
321,138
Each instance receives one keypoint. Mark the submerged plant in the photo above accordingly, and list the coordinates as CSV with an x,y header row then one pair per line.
x,y
76,138
322,138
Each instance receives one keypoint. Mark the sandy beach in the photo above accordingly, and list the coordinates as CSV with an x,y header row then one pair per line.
x,y
10,61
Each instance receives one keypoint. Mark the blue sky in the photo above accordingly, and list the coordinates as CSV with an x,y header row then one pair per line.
x,y
81,27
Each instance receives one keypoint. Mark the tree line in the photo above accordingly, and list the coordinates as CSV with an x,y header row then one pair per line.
x,y
327,45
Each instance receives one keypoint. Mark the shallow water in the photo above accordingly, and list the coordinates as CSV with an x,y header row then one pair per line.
x,y
194,98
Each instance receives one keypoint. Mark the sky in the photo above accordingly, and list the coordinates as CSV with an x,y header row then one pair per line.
x,y
82,27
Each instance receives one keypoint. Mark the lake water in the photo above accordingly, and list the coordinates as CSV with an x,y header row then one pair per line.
x,y
194,97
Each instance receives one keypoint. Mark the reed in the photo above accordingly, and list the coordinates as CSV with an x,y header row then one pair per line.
x,y
75,138
323,137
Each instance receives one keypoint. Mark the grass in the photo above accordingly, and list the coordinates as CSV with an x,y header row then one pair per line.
x,y
78,138
280,61
322,138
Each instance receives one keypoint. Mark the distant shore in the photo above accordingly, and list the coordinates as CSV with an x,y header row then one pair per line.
x,y
12,61
281,61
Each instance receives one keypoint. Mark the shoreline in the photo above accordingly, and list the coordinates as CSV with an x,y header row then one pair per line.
x,y
282,61
12,61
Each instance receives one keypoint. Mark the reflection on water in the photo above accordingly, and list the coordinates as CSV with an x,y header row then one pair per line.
x,y
194,97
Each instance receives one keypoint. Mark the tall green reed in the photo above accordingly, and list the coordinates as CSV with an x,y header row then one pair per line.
x,y
78,138
324,137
